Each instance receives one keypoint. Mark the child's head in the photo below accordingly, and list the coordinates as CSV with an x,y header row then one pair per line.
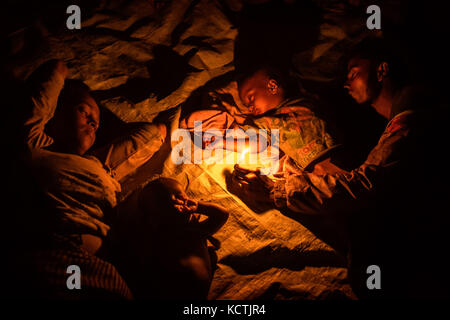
x,y
158,198
262,89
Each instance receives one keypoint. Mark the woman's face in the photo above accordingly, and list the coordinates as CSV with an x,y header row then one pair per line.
x,y
78,129
86,119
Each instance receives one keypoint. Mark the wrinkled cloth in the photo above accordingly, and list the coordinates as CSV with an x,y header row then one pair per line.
x,y
81,189
43,273
263,256
219,109
303,135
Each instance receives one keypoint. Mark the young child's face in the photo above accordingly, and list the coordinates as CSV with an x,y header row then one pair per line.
x,y
260,93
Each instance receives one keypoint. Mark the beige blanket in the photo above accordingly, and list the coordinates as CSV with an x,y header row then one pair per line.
x,y
141,62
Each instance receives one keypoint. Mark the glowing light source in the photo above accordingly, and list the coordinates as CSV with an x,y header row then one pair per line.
x,y
246,150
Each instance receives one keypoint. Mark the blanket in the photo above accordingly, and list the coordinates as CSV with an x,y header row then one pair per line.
x,y
142,60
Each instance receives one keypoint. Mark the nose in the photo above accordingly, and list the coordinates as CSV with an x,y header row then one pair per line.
x,y
347,85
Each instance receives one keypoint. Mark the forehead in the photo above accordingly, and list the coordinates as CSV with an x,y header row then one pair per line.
x,y
357,62
87,100
258,79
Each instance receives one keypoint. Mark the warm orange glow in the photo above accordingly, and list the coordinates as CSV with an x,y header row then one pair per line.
x,y
246,150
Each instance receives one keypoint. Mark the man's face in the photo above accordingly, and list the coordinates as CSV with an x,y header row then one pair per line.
x,y
361,81
84,121
260,93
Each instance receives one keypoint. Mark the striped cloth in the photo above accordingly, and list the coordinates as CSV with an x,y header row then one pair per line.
x,y
44,273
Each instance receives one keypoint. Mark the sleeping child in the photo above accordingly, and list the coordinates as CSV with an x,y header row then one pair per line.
x,y
173,251
303,135
269,97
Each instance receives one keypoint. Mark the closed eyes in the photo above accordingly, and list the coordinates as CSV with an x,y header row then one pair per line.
x,y
250,100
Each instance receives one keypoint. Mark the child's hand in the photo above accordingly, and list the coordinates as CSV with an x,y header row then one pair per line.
x,y
184,205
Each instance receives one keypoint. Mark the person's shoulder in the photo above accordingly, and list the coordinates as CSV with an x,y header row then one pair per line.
x,y
403,120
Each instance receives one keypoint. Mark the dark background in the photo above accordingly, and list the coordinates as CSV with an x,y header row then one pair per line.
x,y
418,29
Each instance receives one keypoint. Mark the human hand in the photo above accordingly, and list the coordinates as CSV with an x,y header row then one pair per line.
x,y
184,205
251,186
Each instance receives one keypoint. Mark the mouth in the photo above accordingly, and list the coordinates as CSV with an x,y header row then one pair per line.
x,y
90,131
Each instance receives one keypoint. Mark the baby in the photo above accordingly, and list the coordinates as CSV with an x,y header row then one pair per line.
x,y
177,228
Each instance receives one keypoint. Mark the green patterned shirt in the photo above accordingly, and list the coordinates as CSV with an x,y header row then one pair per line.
x,y
303,136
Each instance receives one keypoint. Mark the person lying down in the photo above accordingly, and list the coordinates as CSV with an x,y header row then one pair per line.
x,y
169,243
272,103
77,184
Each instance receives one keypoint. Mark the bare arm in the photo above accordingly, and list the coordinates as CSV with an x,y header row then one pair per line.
x,y
237,140
327,194
44,86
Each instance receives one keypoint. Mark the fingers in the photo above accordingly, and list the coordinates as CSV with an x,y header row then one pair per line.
x,y
191,205
237,180
242,171
245,179
179,208
177,201
184,205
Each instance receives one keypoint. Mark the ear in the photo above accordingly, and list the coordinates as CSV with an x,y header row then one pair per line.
x,y
383,71
272,86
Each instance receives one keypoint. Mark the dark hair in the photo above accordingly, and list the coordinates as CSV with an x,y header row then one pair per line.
x,y
159,190
72,92
280,75
378,50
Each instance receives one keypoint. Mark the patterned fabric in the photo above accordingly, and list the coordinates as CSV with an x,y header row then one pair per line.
x,y
303,136
47,271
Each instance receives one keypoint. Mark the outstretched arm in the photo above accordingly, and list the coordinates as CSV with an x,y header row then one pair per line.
x,y
43,88
327,194
331,192
347,192
235,140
